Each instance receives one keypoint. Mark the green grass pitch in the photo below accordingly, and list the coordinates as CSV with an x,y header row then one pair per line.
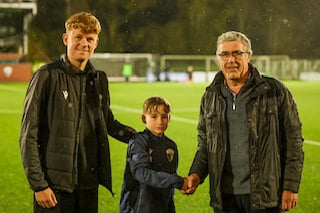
x,y
126,102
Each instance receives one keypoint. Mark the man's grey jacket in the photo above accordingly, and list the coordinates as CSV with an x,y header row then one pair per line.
x,y
275,141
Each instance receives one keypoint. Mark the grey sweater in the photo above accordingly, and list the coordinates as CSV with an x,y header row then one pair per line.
x,y
235,176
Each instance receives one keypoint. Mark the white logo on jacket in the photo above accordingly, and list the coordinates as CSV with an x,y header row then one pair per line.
x,y
65,94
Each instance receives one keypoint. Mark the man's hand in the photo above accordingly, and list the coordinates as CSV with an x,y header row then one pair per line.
x,y
193,182
46,198
289,200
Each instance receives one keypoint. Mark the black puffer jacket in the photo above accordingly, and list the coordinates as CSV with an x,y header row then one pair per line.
x,y
275,141
52,117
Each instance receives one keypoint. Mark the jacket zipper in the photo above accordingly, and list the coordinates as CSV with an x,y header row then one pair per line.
x,y
234,96
81,96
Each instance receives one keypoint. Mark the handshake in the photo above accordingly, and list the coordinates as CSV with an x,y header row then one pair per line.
x,y
190,184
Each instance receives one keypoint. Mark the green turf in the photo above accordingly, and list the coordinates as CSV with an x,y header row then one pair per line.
x,y
126,101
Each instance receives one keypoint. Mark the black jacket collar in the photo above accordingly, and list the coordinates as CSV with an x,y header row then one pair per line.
x,y
89,70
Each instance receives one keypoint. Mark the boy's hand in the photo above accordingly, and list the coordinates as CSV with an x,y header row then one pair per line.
x,y
46,198
193,182
289,200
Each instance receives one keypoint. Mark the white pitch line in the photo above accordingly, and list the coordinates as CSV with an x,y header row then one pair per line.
x,y
10,88
173,117
128,109
312,142
9,111
186,120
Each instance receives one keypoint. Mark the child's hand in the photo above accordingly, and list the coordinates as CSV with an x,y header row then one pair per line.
x,y
184,188
193,182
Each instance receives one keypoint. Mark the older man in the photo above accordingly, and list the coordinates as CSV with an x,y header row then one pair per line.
x,y
249,136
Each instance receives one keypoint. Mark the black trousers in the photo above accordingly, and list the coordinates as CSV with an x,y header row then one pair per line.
x,y
241,204
79,201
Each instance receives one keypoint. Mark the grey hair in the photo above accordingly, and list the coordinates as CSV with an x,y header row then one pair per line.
x,y
235,36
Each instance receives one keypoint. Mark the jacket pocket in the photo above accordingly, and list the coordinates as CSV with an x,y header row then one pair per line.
x,y
268,117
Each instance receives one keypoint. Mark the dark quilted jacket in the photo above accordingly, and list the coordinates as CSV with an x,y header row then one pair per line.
x,y
275,141
51,119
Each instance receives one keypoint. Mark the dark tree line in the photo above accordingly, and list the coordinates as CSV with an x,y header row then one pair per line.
x,y
290,27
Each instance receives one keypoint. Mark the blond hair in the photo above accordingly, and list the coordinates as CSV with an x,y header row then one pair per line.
x,y
151,104
84,21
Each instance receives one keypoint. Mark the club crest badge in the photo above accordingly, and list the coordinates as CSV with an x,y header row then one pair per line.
x,y
7,71
170,154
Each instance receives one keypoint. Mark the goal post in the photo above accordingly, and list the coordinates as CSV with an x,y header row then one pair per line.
x,y
113,63
202,63
153,67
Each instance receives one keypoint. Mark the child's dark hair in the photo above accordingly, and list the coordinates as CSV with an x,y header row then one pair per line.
x,y
152,104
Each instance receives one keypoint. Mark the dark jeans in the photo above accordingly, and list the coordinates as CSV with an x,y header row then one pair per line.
x,y
241,204
79,201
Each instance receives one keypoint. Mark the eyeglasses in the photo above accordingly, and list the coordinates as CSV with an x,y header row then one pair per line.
x,y
235,54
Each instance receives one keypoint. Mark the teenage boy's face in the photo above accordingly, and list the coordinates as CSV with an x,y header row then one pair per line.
x,y
80,46
156,121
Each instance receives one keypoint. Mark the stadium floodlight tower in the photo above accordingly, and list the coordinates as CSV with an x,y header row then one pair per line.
x,y
29,9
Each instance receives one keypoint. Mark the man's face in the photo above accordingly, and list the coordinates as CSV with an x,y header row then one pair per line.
x,y
233,60
80,46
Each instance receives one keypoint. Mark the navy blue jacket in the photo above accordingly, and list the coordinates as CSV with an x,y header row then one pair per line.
x,y
150,176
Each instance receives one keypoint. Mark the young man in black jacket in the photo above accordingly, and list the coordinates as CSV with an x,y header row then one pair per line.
x,y
65,126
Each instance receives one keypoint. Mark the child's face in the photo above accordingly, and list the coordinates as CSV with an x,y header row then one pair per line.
x,y
157,121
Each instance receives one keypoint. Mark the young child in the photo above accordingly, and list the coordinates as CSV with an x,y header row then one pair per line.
x,y
152,160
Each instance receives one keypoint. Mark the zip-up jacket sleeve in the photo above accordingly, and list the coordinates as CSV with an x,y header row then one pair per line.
x,y
138,159
200,162
29,135
115,129
292,142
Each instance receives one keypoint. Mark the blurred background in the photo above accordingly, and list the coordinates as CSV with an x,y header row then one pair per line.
x,y
160,41
161,38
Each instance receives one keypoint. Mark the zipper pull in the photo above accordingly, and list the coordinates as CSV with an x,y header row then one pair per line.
x,y
234,101
100,100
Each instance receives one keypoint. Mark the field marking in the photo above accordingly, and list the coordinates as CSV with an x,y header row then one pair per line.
x,y
137,111
186,120
126,109
10,111
173,117
312,142
11,88
186,110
